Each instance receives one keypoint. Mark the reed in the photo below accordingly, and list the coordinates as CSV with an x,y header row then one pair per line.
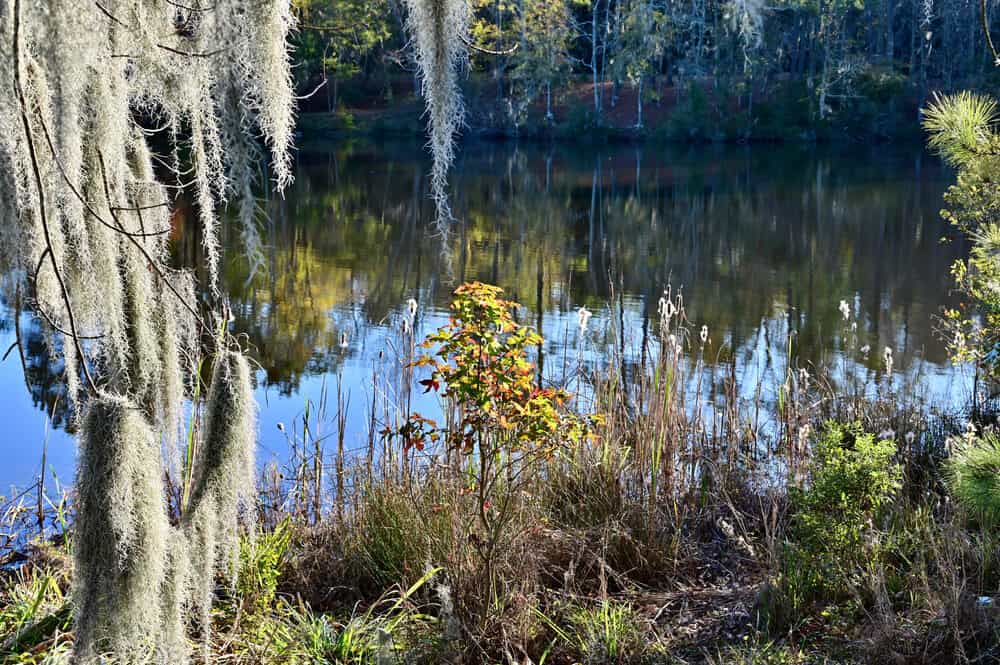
x,y
661,519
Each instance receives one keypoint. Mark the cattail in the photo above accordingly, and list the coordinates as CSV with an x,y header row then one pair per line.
x,y
845,310
410,316
666,309
674,344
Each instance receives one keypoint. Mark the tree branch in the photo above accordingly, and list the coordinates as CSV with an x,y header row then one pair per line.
x,y
79,196
986,31
111,16
474,47
190,54
153,265
188,8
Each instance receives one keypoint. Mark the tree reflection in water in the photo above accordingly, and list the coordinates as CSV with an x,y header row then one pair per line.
x,y
765,241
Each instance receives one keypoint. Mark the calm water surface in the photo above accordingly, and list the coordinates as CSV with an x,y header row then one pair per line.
x,y
764,241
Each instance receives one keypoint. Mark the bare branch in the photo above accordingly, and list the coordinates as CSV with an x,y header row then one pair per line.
x,y
188,8
111,16
191,54
314,91
10,348
152,206
475,47
986,31
55,326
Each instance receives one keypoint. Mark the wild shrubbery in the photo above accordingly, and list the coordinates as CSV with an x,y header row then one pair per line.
x,y
832,540
520,526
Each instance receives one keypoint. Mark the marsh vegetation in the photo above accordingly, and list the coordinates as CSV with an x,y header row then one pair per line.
x,y
633,412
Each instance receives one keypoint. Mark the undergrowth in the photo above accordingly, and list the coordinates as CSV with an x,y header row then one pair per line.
x,y
627,523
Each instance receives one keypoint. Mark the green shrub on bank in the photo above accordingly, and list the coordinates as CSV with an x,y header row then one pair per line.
x,y
974,477
832,540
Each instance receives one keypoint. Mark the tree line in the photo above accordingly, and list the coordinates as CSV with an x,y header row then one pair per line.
x,y
527,55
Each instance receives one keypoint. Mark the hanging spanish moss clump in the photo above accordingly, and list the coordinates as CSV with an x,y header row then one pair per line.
x,y
84,88
121,533
175,601
439,29
86,210
224,486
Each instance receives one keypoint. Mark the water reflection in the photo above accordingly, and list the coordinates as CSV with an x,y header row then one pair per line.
x,y
765,242
752,236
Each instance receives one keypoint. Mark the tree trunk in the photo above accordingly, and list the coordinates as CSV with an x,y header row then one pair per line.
x,y
593,55
638,104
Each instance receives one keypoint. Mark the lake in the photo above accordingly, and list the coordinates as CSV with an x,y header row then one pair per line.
x,y
764,241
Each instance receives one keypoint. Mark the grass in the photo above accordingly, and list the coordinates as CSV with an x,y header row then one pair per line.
x,y
680,530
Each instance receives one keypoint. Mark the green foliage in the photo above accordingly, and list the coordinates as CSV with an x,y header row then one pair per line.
x,y
766,653
337,39
261,560
962,129
544,52
852,480
641,41
33,606
605,632
391,630
608,633
481,366
853,477
974,476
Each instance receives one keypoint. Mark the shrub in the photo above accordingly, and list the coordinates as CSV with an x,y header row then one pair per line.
x,y
974,476
501,426
261,561
852,480
504,421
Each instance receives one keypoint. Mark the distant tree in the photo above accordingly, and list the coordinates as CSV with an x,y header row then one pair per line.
x,y
494,29
336,40
640,42
544,48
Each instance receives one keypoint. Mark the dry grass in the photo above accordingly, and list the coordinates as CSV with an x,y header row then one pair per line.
x,y
662,539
